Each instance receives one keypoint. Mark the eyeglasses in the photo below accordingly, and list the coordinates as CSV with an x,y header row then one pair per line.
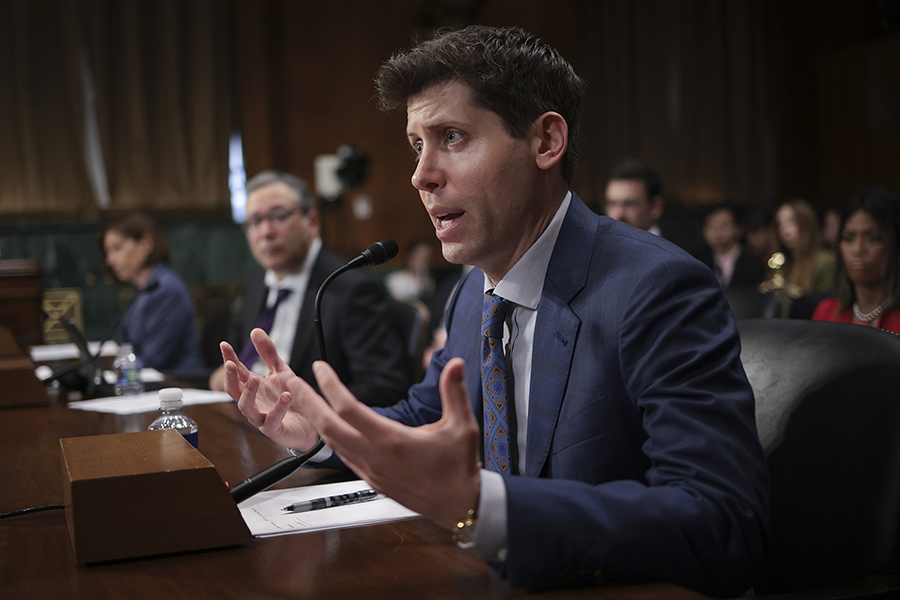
x,y
276,218
626,204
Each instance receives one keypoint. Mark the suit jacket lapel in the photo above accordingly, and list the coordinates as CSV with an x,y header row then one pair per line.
x,y
556,330
306,348
255,300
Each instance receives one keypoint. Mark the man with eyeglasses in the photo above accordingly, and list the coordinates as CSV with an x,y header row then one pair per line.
x,y
282,229
634,195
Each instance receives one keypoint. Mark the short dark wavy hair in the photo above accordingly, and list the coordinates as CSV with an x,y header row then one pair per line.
x,y
511,73
632,168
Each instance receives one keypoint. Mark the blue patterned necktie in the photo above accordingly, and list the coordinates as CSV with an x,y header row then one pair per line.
x,y
494,384
249,356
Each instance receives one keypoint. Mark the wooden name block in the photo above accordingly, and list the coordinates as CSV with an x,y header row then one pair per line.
x,y
129,495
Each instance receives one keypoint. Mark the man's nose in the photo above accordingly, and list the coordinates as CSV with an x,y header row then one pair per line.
x,y
428,175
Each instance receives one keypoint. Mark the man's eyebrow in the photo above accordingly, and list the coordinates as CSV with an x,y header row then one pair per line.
x,y
442,124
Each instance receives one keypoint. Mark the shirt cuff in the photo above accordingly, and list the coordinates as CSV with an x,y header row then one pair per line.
x,y
320,456
490,533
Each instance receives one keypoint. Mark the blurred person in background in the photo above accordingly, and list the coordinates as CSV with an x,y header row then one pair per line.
x,y
634,195
413,281
160,323
868,270
735,265
759,232
283,233
802,265
831,228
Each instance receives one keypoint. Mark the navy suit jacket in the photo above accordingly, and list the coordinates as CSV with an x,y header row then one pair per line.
x,y
642,457
362,342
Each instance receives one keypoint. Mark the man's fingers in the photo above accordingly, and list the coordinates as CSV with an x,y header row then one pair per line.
x,y
265,347
228,352
454,395
247,401
347,406
233,384
276,414
230,356
347,423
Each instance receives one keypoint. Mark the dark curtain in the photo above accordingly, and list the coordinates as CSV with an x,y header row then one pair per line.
x,y
160,74
680,85
42,168
163,102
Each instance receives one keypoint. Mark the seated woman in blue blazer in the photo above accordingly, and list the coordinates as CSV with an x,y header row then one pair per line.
x,y
160,323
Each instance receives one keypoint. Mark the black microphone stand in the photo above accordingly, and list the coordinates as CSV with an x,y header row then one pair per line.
x,y
376,254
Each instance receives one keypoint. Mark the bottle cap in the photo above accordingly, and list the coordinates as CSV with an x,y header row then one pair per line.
x,y
170,397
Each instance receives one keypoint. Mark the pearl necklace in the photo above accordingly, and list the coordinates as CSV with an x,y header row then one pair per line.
x,y
869,317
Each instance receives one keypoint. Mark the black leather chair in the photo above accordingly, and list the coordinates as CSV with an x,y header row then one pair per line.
x,y
828,415
411,319
752,304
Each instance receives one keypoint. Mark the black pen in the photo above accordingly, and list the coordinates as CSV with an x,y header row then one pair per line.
x,y
329,501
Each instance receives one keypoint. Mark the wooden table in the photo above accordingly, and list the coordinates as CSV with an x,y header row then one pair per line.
x,y
407,559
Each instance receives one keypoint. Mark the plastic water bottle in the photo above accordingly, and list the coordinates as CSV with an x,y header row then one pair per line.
x,y
128,372
170,403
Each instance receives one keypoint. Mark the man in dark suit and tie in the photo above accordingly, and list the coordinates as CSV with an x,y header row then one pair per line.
x,y
591,367
735,265
282,229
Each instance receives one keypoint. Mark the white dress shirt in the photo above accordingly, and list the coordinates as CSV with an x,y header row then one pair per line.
x,y
522,285
287,315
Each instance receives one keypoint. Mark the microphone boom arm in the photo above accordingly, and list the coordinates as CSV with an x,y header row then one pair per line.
x,y
376,254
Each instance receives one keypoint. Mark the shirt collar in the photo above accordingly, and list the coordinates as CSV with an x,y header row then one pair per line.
x,y
524,282
296,281
731,255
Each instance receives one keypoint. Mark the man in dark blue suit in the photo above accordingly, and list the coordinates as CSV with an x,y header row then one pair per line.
x,y
632,446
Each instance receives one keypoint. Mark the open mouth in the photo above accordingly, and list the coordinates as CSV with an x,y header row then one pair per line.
x,y
445,220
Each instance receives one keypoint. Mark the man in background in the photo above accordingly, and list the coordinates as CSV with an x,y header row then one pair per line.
x,y
634,195
735,265
361,342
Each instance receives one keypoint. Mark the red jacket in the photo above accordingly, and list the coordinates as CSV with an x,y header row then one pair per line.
x,y
827,310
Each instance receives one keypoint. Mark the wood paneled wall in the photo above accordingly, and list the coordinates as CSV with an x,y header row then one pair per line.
x,y
304,87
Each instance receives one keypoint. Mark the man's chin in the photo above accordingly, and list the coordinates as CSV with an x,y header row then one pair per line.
x,y
454,253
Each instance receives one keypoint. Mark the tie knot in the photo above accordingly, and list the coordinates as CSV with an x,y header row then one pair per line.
x,y
493,314
282,294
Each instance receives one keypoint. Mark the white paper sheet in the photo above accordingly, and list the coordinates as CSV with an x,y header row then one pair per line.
x,y
69,351
146,402
264,516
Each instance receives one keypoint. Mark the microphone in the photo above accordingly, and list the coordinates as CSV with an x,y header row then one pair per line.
x,y
376,254
89,359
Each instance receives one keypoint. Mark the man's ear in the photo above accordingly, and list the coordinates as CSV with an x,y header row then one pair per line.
x,y
551,136
313,217
659,206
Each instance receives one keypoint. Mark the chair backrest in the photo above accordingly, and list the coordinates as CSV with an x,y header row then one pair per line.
x,y
752,304
828,416
411,318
